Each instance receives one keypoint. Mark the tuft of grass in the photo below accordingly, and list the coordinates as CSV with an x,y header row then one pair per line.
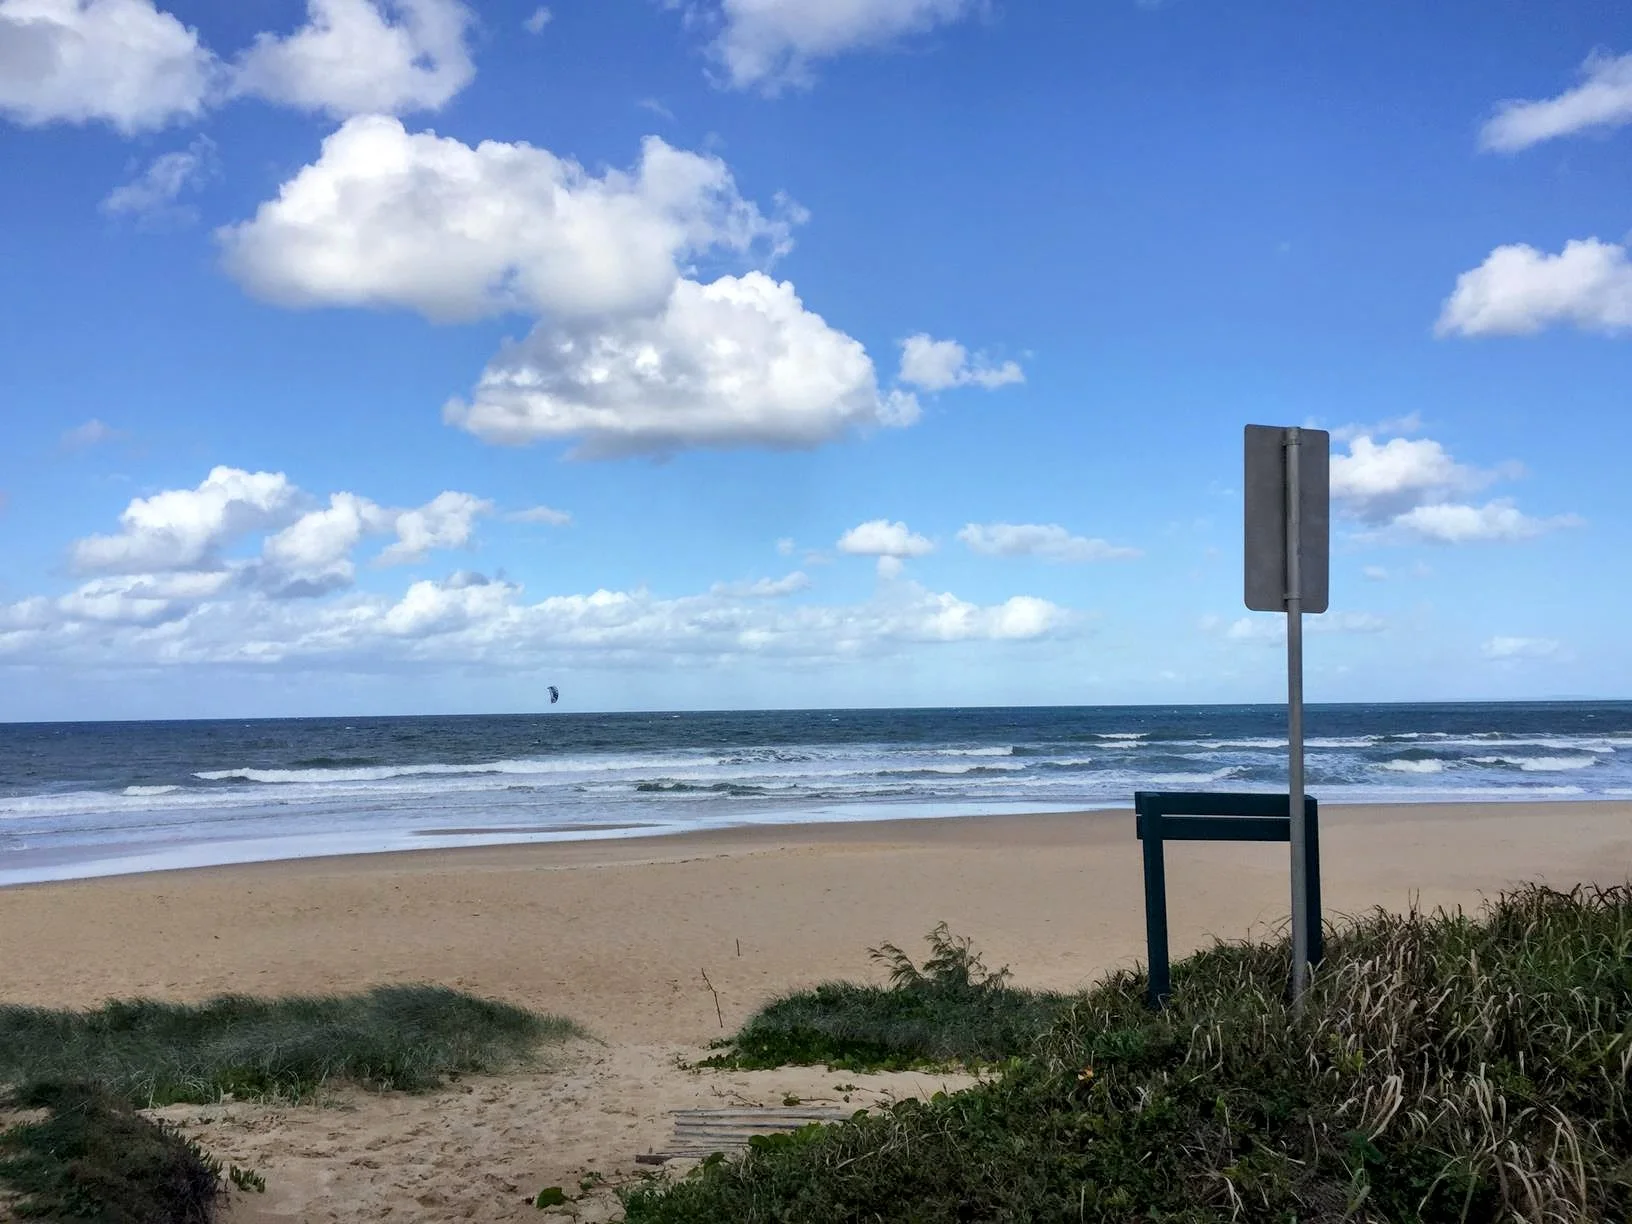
x,y
93,1157
1445,1068
951,1011
152,1053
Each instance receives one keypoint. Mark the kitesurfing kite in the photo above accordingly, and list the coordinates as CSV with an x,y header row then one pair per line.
x,y
555,694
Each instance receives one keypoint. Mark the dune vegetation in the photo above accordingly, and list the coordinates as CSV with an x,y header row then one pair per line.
x,y
87,1153
152,1053
1446,1067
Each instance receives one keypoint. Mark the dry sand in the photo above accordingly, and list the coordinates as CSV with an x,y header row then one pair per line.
x,y
617,935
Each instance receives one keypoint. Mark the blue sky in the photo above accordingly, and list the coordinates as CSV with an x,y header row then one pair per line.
x,y
407,356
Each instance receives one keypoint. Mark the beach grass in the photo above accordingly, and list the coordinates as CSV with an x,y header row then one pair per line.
x,y
949,1012
152,1053
1446,1067
91,1156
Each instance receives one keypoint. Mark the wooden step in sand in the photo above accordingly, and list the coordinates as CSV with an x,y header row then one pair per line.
x,y
699,1133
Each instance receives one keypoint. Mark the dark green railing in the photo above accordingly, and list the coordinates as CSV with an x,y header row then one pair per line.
x,y
1164,816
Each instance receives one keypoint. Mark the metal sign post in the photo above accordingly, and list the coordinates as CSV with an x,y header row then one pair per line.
x,y
1287,496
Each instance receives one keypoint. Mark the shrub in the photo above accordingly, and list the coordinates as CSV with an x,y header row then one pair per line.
x,y
401,1037
93,1157
1443,1069
951,1011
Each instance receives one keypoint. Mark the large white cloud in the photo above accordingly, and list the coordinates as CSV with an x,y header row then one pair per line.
x,y
469,620
770,44
177,540
1377,481
313,554
386,217
1603,99
132,65
1405,490
123,62
739,362
183,529
356,57
1049,541
1519,290
936,365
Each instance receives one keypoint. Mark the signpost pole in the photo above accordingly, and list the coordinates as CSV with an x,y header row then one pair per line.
x,y
1294,720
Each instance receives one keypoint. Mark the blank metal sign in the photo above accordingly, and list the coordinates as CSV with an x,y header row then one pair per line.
x,y
1265,497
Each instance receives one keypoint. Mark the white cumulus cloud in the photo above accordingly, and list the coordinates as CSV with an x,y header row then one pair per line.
x,y
122,62
1466,524
386,217
739,362
182,529
1603,99
772,44
355,57
935,365
1408,489
1520,290
446,521
1049,541
199,620
176,541
313,554
1378,481
882,538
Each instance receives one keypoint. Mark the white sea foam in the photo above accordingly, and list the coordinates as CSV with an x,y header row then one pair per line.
x,y
1186,779
140,792
1541,764
382,773
1416,767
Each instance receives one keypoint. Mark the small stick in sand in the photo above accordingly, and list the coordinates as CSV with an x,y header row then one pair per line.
x,y
716,994
739,947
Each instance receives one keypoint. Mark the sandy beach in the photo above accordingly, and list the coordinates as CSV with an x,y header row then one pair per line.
x,y
617,936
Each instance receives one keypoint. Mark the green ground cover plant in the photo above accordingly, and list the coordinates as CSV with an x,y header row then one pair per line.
x,y
93,1157
151,1053
951,1011
1446,1067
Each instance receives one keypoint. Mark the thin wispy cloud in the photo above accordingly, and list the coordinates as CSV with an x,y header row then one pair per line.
x,y
1602,100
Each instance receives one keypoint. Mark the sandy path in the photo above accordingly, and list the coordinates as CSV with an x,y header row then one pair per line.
x,y
482,1148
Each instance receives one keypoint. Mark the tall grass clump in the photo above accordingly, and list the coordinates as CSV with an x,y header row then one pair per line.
x,y
151,1053
93,1157
1445,1068
950,1011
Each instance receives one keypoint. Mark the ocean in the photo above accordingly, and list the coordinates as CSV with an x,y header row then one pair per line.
x,y
82,799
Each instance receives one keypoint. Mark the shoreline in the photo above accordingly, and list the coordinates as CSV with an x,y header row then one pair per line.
x,y
67,864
